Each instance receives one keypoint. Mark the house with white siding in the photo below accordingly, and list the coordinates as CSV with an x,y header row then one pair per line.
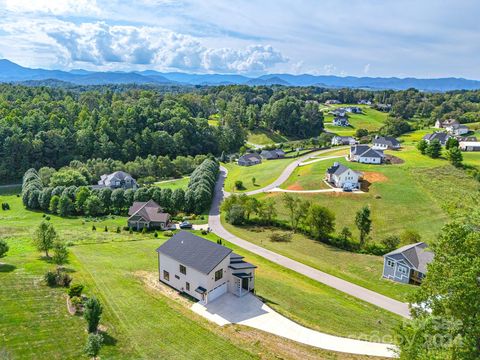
x,y
365,154
343,177
203,269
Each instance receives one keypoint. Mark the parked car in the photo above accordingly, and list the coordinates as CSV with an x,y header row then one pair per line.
x,y
185,225
171,227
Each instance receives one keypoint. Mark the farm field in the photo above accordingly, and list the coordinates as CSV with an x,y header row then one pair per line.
x,y
371,120
140,322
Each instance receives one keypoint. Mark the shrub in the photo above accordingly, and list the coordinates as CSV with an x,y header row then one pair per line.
x,y
118,230
168,233
278,237
94,228
63,279
75,290
144,230
106,229
50,278
239,184
93,345
155,234
92,313
126,228
204,232
76,302
3,248
391,242
130,231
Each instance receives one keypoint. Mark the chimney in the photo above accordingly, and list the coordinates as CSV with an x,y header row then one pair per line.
x,y
336,163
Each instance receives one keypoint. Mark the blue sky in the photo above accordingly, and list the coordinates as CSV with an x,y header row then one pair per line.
x,y
422,38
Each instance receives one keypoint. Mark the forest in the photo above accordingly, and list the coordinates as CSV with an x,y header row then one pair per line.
x,y
51,127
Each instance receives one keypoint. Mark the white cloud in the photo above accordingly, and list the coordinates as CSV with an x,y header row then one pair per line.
x,y
329,69
53,7
102,44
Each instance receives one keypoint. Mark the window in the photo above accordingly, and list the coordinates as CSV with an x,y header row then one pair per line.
x,y
166,275
218,274
187,286
390,263
402,269
183,270
177,277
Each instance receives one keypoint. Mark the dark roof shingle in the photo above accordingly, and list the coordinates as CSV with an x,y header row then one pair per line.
x,y
192,250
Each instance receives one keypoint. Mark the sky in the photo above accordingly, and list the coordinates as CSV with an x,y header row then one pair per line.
x,y
402,38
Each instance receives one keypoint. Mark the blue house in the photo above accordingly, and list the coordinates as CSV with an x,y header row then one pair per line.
x,y
407,264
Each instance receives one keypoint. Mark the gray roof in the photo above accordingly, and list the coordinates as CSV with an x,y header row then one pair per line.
x,y
440,136
386,140
194,251
250,157
337,169
359,149
416,254
372,153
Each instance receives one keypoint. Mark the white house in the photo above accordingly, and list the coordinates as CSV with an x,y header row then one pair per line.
x,y
203,269
117,180
342,177
365,154
469,145
385,142
343,140
458,130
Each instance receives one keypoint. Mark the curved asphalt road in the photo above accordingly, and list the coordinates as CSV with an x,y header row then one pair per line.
x,y
384,302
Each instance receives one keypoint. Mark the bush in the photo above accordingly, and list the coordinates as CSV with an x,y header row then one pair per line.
x,y
118,230
106,229
75,290
168,233
239,185
93,311
50,278
391,242
155,234
3,248
278,237
57,278
93,345
204,232
76,302
94,228
144,230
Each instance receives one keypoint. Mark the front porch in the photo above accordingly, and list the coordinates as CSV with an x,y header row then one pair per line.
x,y
243,284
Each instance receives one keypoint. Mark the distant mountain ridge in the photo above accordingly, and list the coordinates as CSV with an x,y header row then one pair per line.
x,y
11,72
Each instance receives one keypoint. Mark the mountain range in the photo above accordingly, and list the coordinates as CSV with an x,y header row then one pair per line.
x,y
11,72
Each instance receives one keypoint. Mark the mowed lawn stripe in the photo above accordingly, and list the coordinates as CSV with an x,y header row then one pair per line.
x,y
156,328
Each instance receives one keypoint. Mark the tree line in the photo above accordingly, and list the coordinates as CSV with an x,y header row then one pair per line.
x,y
80,199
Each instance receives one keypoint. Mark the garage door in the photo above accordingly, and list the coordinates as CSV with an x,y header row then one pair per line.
x,y
218,291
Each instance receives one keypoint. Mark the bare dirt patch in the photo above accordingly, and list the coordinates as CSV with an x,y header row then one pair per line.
x,y
373,177
295,186
150,280
392,159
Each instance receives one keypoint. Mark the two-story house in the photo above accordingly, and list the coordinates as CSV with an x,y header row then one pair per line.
x,y
203,269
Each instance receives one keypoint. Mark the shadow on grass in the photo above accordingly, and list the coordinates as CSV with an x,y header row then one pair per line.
x,y
4,268
108,340
266,300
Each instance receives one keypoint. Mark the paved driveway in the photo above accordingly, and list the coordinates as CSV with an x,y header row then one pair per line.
x,y
349,288
250,311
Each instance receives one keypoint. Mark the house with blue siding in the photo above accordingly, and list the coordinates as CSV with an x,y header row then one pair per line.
x,y
407,264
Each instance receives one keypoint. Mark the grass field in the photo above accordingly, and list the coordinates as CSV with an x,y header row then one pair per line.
x,y
264,174
174,184
360,269
371,120
140,322
265,137
410,196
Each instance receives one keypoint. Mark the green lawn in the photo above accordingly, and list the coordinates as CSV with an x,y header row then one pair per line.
x,y
371,120
264,174
265,137
411,195
140,322
360,269
174,184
